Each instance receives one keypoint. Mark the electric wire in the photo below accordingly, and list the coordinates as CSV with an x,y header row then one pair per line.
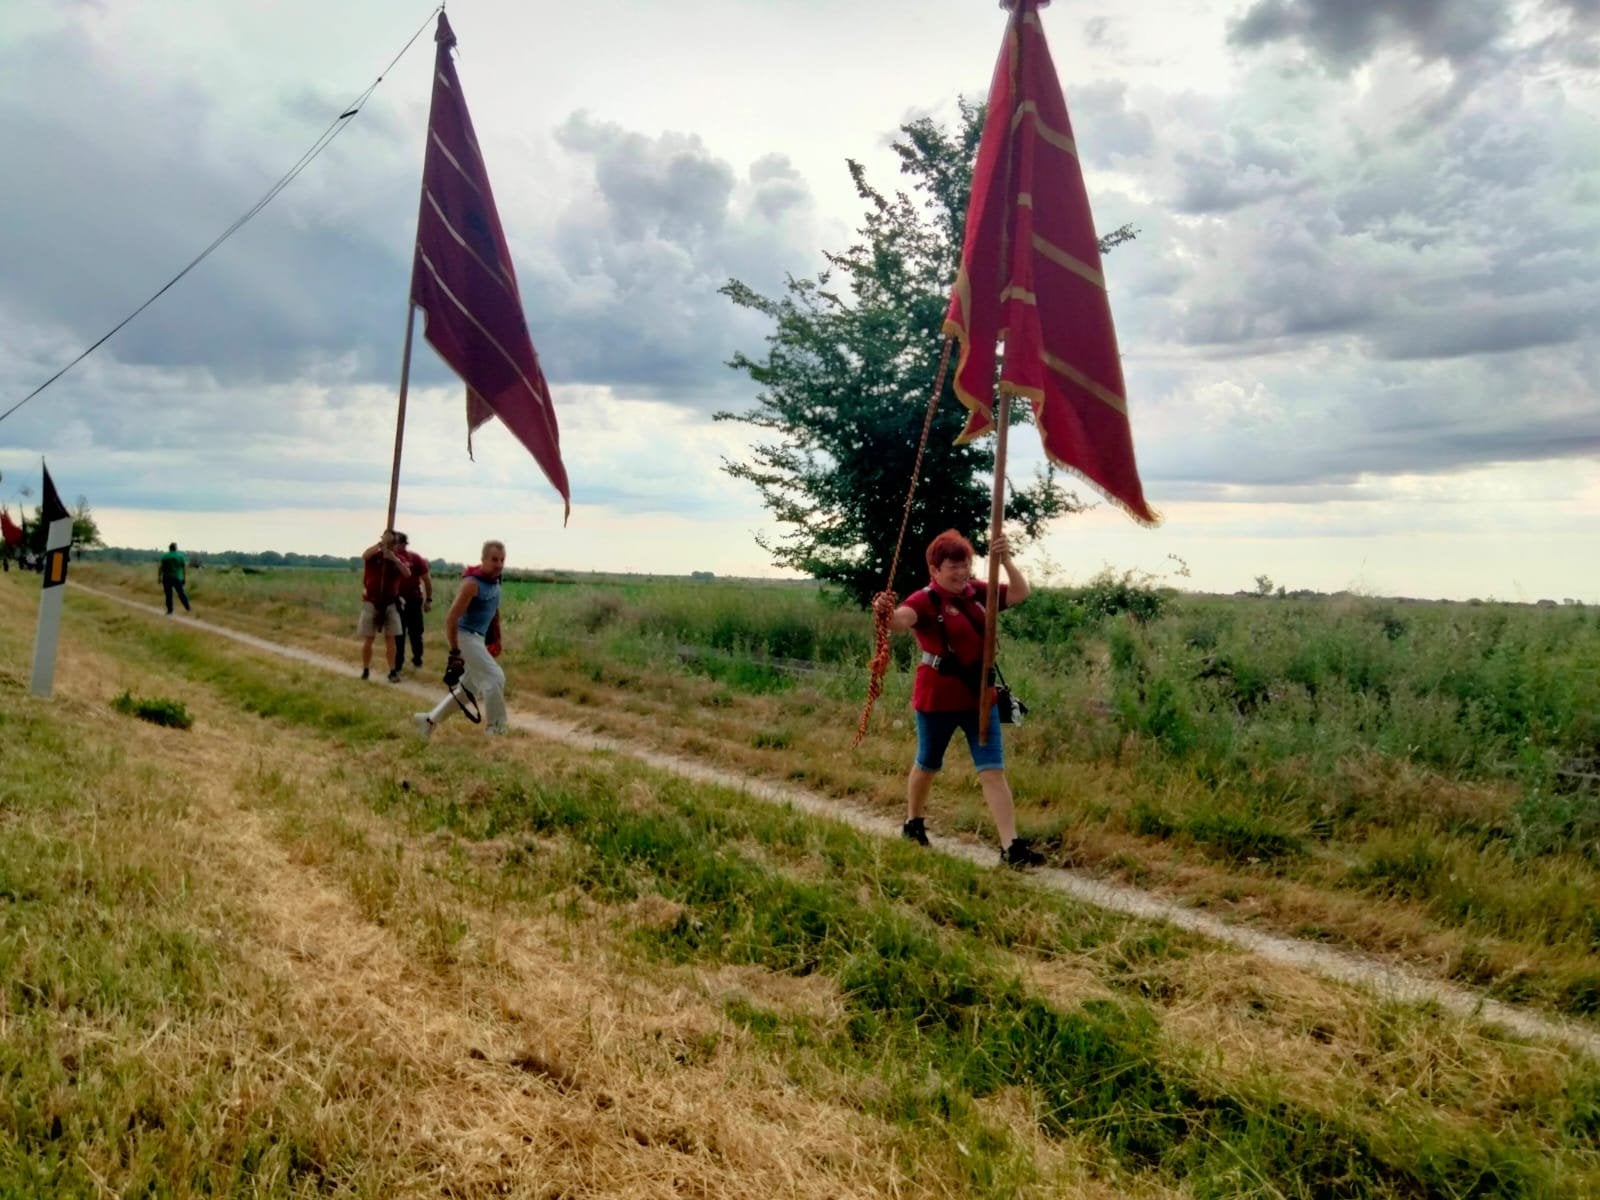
x,y
323,141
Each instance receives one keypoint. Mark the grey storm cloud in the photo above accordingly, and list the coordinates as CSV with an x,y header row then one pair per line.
x,y
1393,296
1486,327
1106,125
116,185
1345,33
1468,34
1480,236
1336,415
252,380
628,294
1218,179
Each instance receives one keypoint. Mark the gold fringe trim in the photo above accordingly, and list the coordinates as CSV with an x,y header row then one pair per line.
x,y
972,404
1035,397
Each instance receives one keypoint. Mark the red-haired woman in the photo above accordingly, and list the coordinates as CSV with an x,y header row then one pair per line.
x,y
947,617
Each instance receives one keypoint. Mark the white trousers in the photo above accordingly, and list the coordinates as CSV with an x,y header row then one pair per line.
x,y
484,679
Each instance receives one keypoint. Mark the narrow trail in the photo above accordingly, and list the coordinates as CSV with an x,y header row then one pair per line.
x,y
1387,980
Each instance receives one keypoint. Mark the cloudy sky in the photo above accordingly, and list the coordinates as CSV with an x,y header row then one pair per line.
x,y
1361,322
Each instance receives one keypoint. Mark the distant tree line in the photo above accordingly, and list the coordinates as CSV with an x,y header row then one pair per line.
x,y
250,558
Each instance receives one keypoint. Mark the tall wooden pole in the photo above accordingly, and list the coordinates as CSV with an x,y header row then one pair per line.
x,y
400,419
997,512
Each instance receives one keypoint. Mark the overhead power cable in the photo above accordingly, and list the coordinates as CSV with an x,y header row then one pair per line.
x,y
334,129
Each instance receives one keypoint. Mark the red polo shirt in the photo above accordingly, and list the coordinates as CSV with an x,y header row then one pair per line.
x,y
963,623
410,586
380,581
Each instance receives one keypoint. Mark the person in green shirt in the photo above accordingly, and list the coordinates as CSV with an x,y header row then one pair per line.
x,y
170,571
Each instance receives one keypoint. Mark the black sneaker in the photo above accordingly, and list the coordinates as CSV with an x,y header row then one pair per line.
x,y
365,672
394,675
1020,853
915,830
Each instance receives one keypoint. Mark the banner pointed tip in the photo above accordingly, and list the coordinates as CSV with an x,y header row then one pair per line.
x,y
54,510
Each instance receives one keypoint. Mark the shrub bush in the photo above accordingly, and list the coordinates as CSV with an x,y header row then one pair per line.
x,y
170,713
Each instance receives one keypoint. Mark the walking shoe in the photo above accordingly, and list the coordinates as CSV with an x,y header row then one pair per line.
x,y
417,663
365,672
497,730
424,724
1021,854
915,830
394,675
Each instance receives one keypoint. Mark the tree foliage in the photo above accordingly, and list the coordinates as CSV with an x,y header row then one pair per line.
x,y
85,530
846,379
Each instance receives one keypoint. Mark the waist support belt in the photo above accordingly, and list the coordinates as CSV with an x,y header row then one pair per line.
x,y
949,664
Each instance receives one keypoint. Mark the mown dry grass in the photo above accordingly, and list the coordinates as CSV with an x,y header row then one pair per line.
x,y
397,981
1465,908
402,1039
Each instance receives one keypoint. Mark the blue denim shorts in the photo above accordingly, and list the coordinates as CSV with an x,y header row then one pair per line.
x,y
934,731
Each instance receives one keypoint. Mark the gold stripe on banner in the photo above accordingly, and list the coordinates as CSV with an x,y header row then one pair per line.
x,y
466,313
1055,137
1073,375
55,570
1015,293
1062,259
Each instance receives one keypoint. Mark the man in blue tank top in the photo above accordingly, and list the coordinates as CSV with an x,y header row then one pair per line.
x,y
473,628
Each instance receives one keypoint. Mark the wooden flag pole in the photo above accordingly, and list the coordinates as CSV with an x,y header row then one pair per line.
x,y
997,512
400,419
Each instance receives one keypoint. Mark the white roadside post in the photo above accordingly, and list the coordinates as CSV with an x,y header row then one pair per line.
x,y
58,538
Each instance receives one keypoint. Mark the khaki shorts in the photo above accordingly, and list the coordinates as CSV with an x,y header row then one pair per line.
x,y
367,626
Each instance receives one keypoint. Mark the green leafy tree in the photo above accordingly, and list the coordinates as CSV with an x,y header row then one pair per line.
x,y
846,379
85,530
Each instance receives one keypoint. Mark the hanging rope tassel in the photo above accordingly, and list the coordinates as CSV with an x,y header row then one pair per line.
x,y
883,604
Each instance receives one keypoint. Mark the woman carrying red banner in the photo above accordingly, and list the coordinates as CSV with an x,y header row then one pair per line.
x,y
947,619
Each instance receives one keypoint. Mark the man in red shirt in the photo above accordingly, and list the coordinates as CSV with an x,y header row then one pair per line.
x,y
381,572
947,619
416,598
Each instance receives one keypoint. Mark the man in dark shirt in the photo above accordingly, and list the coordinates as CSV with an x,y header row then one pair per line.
x,y
170,571
416,598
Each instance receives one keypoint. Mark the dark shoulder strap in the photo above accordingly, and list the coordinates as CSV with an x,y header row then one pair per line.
x,y
937,601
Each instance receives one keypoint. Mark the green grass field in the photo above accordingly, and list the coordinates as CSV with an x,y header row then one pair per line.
x,y
1416,780
288,950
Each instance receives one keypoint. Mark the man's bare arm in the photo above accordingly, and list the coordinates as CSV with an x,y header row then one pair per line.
x,y
458,609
